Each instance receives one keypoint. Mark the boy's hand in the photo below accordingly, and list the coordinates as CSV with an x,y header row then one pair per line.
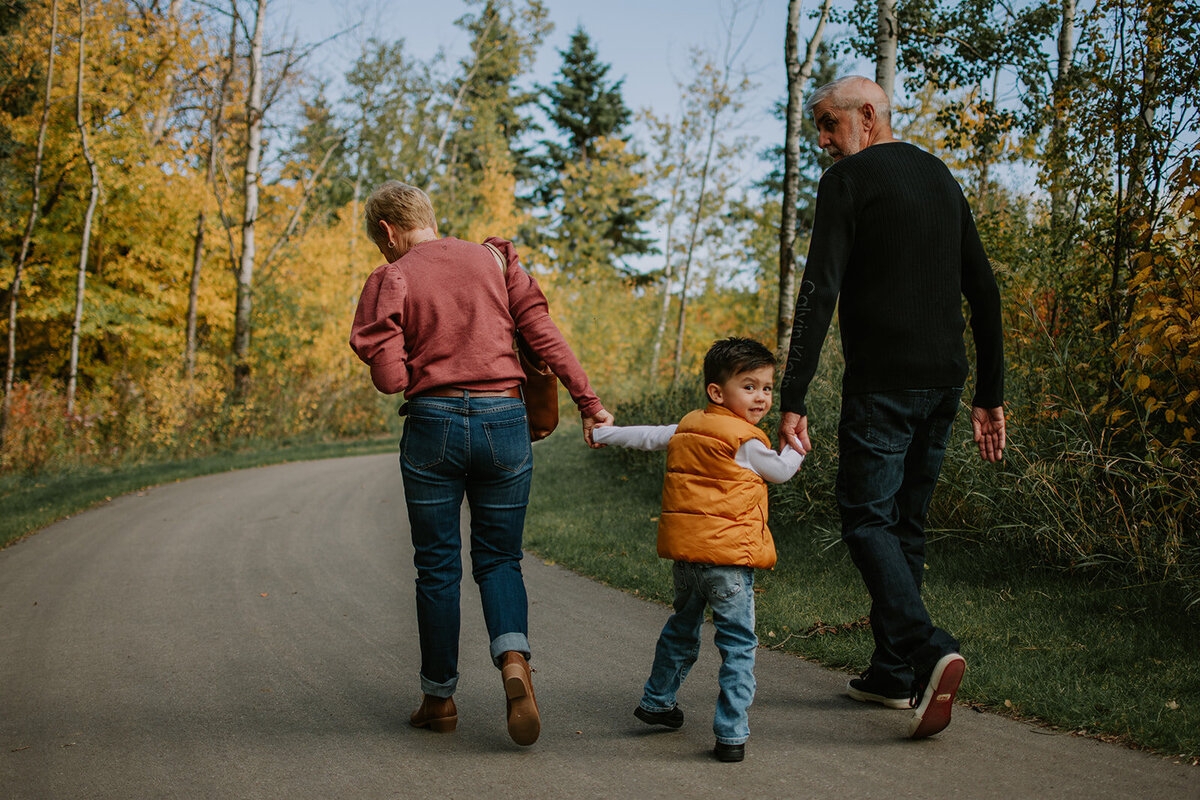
x,y
598,420
793,426
796,444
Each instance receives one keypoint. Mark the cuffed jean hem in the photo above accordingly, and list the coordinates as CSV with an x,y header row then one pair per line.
x,y
439,689
509,641
653,709
739,740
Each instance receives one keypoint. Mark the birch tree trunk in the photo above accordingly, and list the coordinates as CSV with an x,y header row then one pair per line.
x,y
797,76
30,222
660,330
245,275
692,238
93,198
1057,155
887,37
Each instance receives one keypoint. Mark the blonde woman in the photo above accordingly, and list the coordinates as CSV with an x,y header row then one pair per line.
x,y
437,323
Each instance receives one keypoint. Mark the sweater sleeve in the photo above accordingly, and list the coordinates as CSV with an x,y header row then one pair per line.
x,y
531,313
817,294
983,296
377,334
766,463
635,437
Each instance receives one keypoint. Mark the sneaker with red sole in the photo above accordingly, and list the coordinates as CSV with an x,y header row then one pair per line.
x,y
932,714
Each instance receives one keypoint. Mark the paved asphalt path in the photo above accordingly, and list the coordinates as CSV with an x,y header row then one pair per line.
x,y
252,635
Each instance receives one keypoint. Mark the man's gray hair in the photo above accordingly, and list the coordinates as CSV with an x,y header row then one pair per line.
x,y
849,93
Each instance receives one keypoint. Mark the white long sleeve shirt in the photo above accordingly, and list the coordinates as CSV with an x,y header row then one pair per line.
x,y
753,455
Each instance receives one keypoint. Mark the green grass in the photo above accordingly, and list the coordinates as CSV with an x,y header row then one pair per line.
x,y
1074,653
31,502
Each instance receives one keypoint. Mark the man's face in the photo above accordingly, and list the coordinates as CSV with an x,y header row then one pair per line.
x,y
840,130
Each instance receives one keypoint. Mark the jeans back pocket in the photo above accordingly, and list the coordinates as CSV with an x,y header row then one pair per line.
x,y
423,443
509,442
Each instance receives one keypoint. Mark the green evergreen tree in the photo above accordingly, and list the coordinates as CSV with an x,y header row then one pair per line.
x,y
591,182
319,157
479,154
392,118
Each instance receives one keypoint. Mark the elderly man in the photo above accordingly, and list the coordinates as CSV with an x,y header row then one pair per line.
x,y
894,237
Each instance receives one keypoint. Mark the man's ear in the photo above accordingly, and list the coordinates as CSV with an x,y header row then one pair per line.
x,y
714,392
868,114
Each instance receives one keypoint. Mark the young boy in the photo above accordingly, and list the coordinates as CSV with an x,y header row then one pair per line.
x,y
714,526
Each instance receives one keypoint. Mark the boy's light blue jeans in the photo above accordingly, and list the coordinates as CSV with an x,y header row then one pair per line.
x,y
729,591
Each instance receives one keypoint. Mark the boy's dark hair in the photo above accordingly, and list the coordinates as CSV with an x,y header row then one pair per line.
x,y
728,357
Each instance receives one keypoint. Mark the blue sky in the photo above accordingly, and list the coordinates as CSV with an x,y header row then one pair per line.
x,y
646,42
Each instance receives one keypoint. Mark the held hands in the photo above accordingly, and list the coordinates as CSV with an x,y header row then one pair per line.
x,y
793,429
988,427
599,420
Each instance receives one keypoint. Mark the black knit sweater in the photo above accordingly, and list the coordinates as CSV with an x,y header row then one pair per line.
x,y
893,235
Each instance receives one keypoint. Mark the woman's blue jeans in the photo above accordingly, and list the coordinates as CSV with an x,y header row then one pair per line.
x,y
478,448
891,446
729,591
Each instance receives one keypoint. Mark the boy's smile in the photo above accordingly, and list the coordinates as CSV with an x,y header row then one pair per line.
x,y
747,394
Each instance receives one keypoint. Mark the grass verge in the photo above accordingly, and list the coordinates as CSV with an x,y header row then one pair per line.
x,y
31,502
1076,654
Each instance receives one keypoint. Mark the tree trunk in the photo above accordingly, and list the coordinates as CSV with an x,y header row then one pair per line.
x,y
887,37
30,222
307,187
798,76
1140,199
245,276
93,198
691,249
1057,155
158,122
668,268
215,126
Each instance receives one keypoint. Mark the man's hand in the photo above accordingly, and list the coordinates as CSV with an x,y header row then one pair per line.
x,y
988,426
600,419
793,426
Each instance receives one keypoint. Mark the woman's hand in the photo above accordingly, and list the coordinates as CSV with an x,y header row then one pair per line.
x,y
598,420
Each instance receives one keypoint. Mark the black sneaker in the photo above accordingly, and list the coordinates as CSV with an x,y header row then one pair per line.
x,y
729,752
672,718
932,713
865,690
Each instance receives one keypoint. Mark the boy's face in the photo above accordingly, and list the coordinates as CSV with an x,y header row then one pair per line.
x,y
747,394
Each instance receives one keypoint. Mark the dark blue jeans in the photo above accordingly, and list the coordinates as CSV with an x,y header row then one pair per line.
x,y
891,446
478,448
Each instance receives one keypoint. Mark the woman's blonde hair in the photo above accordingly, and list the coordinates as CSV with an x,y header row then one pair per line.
x,y
406,207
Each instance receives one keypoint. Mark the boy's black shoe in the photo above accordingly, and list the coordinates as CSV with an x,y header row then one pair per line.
x,y
866,690
729,752
672,718
936,698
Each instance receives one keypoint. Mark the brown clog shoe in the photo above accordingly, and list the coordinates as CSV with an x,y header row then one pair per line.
x,y
438,714
524,722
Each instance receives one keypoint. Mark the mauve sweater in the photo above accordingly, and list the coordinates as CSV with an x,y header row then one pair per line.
x,y
444,315
893,235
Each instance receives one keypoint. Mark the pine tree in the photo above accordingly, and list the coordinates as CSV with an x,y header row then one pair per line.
x,y
591,180
487,116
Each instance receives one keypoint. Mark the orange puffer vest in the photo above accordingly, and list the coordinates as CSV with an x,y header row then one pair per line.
x,y
713,510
